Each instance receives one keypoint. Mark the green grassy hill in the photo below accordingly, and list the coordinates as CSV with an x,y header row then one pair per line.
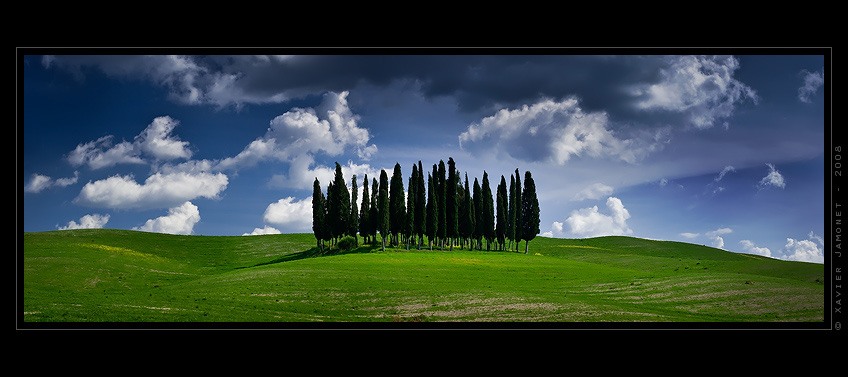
x,y
102,275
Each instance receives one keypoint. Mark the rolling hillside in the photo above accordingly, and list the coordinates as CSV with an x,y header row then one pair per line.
x,y
107,276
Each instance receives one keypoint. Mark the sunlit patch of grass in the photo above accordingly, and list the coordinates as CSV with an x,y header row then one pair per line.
x,y
121,251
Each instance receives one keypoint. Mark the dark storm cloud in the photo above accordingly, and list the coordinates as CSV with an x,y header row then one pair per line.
x,y
476,81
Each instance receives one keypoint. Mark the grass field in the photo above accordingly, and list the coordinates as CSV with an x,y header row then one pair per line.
x,y
120,276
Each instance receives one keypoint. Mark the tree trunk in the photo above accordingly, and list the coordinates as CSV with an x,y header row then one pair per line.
x,y
526,245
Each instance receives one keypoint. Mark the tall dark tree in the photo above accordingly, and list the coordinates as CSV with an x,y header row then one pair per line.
x,y
331,210
451,204
477,203
517,208
318,214
374,213
441,189
353,222
397,206
510,215
420,205
500,228
488,211
409,226
326,229
529,211
383,205
432,225
437,198
339,205
465,222
364,212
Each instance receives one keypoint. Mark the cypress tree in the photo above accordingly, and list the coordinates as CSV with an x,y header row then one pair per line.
x,y
464,212
437,197
364,212
397,207
353,222
341,208
432,218
451,205
478,215
325,229
529,211
420,205
517,208
510,216
410,205
500,228
441,189
318,214
383,212
374,212
332,212
489,212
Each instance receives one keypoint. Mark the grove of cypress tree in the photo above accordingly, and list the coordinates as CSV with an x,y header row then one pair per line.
x,y
529,211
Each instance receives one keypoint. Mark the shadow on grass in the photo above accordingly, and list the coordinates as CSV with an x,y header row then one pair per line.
x,y
315,252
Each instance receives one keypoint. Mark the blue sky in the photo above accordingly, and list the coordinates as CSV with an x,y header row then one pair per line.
x,y
726,151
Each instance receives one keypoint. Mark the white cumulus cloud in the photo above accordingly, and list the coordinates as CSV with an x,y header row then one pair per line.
x,y
154,141
715,236
703,87
803,251
179,220
40,182
748,247
551,131
158,191
260,231
302,174
329,128
93,221
290,214
589,222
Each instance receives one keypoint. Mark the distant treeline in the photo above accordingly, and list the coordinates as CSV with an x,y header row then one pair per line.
x,y
448,212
